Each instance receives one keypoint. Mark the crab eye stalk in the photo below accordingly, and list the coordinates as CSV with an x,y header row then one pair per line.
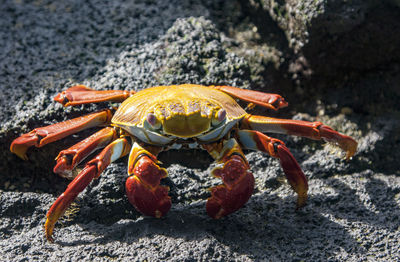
x,y
153,121
219,117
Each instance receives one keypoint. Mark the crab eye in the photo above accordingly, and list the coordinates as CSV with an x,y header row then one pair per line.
x,y
153,121
219,117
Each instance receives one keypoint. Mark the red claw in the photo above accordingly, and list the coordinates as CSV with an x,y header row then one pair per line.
x,y
144,191
235,192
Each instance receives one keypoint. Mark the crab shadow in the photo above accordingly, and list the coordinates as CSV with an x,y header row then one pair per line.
x,y
257,233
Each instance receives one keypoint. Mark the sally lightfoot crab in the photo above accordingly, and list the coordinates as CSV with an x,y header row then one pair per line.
x,y
173,117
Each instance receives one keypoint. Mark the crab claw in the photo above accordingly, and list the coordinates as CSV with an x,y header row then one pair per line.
x,y
235,192
144,191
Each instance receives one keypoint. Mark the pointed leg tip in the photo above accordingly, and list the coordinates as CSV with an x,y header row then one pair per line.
x,y
301,201
63,169
61,98
21,144
50,239
350,146
21,155
349,155
48,228
19,150
346,143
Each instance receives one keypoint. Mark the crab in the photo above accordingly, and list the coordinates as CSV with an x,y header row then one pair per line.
x,y
174,117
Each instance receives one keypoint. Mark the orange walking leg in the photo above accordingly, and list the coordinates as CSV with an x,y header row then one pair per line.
x,y
44,135
313,130
78,95
267,100
69,158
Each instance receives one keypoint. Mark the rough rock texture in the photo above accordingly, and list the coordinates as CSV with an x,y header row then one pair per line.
x,y
334,61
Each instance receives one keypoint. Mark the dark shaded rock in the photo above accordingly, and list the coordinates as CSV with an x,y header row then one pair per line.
x,y
334,61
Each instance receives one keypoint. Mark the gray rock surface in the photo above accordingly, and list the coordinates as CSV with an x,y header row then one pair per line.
x,y
334,61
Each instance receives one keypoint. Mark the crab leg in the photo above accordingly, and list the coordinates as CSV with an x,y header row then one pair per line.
x,y
78,95
143,184
238,182
313,130
47,134
255,140
271,101
69,158
93,169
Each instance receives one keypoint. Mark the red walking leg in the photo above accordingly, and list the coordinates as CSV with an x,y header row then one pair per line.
x,y
93,169
47,134
313,130
255,140
271,101
69,158
78,95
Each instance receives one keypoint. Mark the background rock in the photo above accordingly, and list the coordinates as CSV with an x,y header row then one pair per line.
x,y
334,61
